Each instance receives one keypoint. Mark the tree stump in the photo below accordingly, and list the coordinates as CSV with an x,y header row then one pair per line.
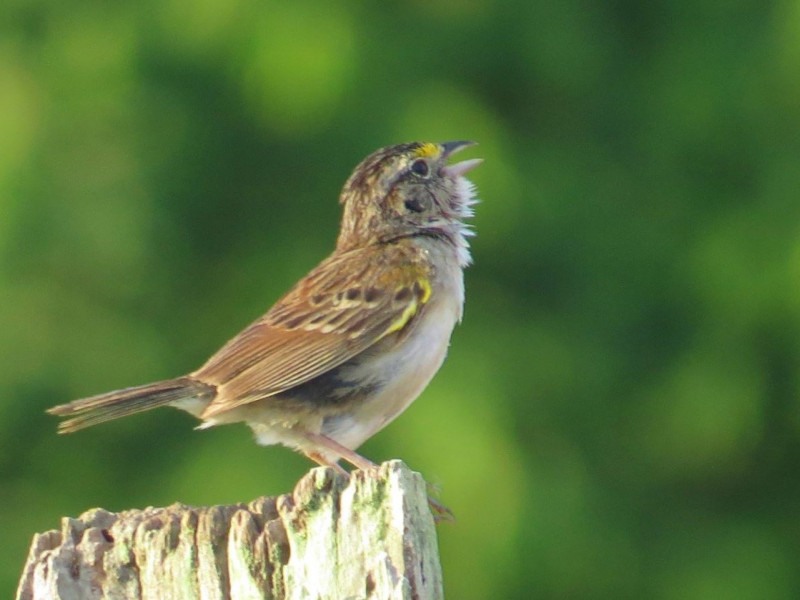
x,y
369,536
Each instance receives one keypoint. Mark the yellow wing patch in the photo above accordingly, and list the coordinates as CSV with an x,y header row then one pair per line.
x,y
426,290
423,293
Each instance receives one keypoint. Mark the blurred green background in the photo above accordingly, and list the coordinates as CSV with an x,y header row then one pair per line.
x,y
618,416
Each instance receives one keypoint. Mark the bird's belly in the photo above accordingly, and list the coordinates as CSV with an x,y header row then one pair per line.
x,y
395,377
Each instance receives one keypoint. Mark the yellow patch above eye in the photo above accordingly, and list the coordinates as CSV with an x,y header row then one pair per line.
x,y
427,150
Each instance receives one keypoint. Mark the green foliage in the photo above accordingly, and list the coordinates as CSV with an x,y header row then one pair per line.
x,y
619,413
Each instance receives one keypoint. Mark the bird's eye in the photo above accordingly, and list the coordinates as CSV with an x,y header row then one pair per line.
x,y
420,167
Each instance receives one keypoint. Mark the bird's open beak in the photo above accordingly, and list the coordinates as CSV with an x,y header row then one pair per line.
x,y
458,169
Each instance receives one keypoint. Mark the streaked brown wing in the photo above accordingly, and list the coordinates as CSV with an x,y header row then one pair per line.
x,y
349,302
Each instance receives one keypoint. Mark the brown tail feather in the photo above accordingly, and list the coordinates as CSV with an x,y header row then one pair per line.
x,y
121,403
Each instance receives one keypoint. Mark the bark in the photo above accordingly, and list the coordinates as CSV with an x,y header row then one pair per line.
x,y
369,536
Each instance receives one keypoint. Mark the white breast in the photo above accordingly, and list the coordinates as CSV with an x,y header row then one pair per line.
x,y
405,370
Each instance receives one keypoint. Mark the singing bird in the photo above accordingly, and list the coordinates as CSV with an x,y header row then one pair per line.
x,y
355,341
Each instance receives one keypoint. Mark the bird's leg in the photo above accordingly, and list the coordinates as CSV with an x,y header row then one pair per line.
x,y
439,510
355,459
322,461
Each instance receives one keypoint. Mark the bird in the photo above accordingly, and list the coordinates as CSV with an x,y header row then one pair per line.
x,y
355,341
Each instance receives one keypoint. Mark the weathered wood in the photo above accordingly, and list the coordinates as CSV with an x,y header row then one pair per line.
x,y
371,536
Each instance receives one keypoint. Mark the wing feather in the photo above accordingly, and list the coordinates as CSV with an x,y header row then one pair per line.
x,y
345,305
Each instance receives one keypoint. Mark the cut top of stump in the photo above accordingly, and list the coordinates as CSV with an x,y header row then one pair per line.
x,y
368,536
